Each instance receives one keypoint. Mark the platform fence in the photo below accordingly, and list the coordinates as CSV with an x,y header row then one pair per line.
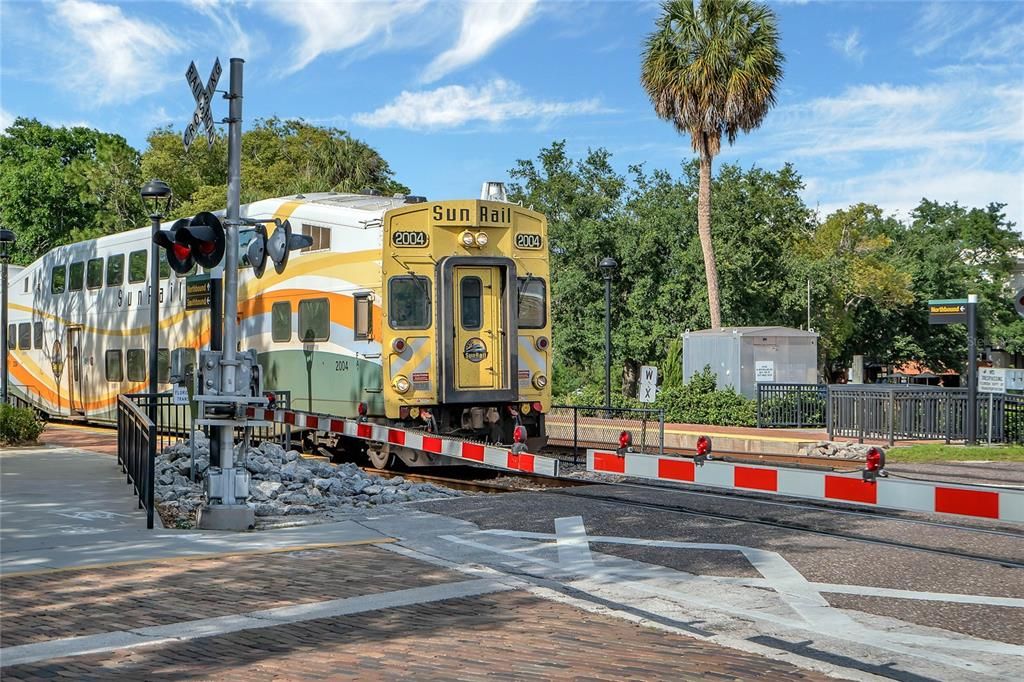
x,y
136,451
587,426
894,413
791,405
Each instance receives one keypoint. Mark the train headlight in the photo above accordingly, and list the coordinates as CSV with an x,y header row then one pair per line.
x,y
539,380
481,239
401,384
541,343
467,239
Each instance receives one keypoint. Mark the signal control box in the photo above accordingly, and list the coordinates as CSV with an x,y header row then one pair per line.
x,y
218,402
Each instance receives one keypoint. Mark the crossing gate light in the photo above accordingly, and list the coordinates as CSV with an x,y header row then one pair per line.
x,y
519,439
196,241
625,442
703,449
874,465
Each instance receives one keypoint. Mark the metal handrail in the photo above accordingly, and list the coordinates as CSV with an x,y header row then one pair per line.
x,y
136,452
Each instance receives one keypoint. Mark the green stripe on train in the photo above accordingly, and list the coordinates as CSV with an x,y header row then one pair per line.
x,y
324,382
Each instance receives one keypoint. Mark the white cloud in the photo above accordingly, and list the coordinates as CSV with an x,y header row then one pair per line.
x,y
943,177
849,45
888,118
1005,42
452,106
484,25
940,22
327,26
227,25
117,58
6,118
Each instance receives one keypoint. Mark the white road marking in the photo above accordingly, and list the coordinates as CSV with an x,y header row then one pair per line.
x,y
795,592
208,627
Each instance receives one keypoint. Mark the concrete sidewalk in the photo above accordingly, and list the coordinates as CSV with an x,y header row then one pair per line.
x,y
66,507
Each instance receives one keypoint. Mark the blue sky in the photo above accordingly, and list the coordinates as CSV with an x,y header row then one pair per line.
x,y
881,102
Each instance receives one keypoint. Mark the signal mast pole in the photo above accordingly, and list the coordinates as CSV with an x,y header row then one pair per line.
x,y
229,363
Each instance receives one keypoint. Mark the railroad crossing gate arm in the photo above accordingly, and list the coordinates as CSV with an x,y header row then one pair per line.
x,y
498,457
990,502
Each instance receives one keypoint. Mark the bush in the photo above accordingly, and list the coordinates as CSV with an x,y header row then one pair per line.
x,y
18,425
698,402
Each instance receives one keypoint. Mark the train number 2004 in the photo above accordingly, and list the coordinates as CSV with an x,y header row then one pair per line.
x,y
525,240
409,238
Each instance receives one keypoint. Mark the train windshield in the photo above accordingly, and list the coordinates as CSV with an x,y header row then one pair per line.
x,y
408,303
532,303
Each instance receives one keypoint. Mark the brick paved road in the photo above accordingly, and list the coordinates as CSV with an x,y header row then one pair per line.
x,y
507,635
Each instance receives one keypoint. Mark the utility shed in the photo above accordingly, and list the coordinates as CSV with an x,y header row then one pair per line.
x,y
742,356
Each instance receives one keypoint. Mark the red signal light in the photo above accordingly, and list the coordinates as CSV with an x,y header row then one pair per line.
x,y
625,440
181,252
703,446
874,459
519,434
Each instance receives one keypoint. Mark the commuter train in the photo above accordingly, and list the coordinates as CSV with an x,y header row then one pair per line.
x,y
431,315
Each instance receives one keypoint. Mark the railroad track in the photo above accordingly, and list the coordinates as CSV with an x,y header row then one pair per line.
x,y
559,486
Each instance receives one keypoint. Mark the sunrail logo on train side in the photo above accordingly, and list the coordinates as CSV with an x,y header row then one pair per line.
x,y
487,214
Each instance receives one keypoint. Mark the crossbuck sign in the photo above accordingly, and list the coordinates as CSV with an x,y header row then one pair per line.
x,y
202,114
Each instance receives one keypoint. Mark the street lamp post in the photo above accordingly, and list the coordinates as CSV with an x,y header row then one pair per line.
x,y
154,192
608,266
7,240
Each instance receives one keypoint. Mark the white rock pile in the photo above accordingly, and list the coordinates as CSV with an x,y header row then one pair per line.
x,y
283,484
835,450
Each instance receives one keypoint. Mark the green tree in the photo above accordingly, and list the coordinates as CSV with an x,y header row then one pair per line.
x,y
712,68
59,185
279,157
849,258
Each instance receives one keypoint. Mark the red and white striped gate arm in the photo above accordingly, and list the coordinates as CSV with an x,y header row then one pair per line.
x,y
490,455
919,496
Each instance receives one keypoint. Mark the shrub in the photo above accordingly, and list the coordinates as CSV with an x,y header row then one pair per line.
x,y
18,425
698,402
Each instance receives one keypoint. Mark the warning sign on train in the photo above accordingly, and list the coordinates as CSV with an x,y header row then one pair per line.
x,y
197,292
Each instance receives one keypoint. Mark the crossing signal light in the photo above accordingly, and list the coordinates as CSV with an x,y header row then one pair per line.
x,y
256,248
253,246
196,241
282,242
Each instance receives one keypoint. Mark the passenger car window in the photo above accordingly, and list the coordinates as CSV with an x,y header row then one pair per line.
x,y
76,274
112,362
115,270
408,303
137,266
58,279
37,334
94,273
136,364
25,336
12,336
532,303
281,321
314,319
163,366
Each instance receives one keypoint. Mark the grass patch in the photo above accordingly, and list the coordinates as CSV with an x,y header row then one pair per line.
x,y
955,453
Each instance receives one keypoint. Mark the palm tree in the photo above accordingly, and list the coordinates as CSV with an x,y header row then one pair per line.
x,y
712,67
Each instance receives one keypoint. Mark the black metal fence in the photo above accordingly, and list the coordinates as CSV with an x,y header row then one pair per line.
x,y
174,422
587,426
136,438
893,413
799,405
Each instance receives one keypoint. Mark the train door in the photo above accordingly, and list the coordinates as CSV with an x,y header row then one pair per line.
x,y
75,379
479,338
